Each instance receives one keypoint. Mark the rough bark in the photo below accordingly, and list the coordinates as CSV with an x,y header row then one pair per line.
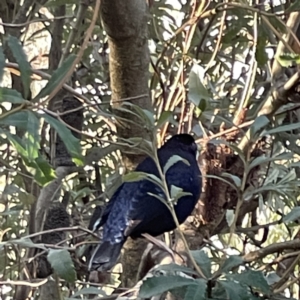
x,y
126,25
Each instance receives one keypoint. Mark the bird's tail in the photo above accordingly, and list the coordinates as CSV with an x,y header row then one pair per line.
x,y
105,256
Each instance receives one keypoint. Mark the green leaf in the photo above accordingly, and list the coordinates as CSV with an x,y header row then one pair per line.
x,y
287,59
284,128
21,58
260,123
177,192
251,278
294,7
257,161
18,119
292,216
272,278
24,242
164,117
229,216
196,291
16,141
71,142
175,268
231,262
157,285
234,290
134,176
56,77
222,179
237,181
9,95
2,62
62,264
203,261
197,91
172,161
33,137
43,171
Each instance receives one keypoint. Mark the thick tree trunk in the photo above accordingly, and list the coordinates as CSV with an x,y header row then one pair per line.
x,y
126,25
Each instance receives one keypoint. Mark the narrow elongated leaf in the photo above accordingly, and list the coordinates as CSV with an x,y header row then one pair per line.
x,y
2,63
43,171
284,128
237,181
157,285
197,91
21,58
203,261
24,242
163,118
18,119
263,159
134,176
71,142
292,216
56,77
175,268
172,161
9,95
17,142
62,264
260,123
33,136
229,216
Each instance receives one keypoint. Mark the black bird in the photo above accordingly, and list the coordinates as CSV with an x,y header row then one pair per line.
x,y
132,209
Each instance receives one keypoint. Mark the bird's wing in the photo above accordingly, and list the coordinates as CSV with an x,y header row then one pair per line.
x,y
100,216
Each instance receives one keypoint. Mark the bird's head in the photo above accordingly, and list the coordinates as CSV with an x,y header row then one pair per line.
x,y
185,141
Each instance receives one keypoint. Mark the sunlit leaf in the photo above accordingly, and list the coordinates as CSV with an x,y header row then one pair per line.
x,y
33,136
287,59
62,264
44,172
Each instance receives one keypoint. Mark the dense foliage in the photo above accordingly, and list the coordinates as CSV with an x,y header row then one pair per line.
x,y
226,72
